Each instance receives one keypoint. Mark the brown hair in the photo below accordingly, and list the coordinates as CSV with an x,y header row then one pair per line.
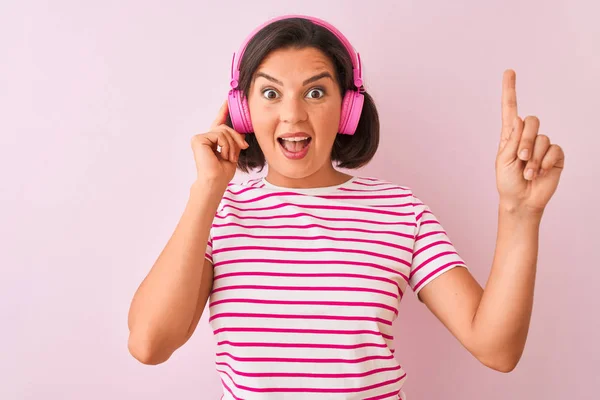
x,y
349,151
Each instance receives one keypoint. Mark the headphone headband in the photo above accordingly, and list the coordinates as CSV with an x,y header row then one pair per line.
x,y
354,56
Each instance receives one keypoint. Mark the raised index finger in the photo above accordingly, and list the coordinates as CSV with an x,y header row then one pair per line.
x,y
509,101
221,116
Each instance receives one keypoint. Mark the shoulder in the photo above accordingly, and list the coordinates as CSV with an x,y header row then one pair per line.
x,y
236,188
381,186
238,192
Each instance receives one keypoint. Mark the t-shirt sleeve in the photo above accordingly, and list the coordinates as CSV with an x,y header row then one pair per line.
x,y
433,252
208,254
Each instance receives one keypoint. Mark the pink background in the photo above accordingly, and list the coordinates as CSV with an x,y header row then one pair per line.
x,y
99,101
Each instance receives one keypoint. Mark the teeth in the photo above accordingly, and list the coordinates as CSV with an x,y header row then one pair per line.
x,y
294,139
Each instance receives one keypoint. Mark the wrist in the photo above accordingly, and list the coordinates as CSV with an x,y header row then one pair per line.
x,y
208,188
521,213
209,183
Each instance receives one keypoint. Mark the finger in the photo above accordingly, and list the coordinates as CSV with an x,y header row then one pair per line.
x,y
231,146
234,145
238,137
530,131
508,152
509,102
554,158
210,138
220,144
221,115
540,147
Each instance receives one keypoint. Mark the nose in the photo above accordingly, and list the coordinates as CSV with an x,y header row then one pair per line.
x,y
292,110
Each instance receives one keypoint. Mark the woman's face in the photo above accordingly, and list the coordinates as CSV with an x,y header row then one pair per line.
x,y
295,92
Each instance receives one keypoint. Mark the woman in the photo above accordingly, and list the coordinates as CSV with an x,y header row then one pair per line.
x,y
305,267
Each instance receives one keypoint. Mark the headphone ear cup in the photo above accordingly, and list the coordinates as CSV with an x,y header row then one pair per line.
x,y
238,110
345,110
246,115
351,110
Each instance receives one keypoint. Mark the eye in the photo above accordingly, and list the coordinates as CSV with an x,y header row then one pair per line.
x,y
316,90
270,94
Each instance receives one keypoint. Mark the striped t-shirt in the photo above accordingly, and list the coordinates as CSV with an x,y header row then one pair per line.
x,y
307,283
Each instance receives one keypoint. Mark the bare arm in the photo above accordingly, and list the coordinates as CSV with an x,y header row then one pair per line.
x,y
493,323
169,302
501,323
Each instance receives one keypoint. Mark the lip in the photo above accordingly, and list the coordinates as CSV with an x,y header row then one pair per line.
x,y
297,155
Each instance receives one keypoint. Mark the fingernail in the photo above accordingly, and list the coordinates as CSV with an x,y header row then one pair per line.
x,y
524,154
529,174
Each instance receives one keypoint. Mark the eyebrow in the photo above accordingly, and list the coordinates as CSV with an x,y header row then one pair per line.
x,y
306,82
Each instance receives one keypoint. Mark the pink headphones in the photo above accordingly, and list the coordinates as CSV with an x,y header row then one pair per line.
x,y
352,103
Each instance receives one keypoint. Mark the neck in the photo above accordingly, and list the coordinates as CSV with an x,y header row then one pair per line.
x,y
322,178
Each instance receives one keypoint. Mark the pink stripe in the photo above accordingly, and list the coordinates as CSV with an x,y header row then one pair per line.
x,y
394,394
450,264
306,288
371,190
264,196
311,250
313,390
306,375
305,331
424,263
430,245
319,207
419,237
302,345
311,225
290,275
373,184
313,262
252,182
229,390
363,197
296,194
300,316
206,255
316,303
392,205
430,222
305,360
241,191
418,217
311,238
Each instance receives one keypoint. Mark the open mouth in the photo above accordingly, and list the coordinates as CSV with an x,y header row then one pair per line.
x,y
294,148
294,145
